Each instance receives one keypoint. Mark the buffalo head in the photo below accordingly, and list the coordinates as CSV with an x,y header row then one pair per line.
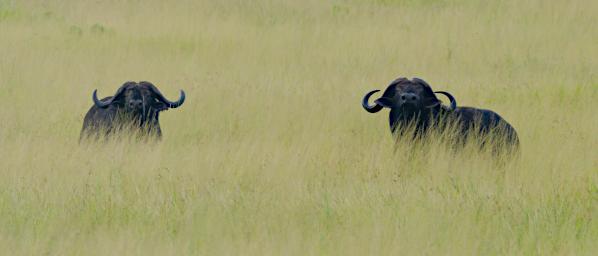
x,y
407,96
139,99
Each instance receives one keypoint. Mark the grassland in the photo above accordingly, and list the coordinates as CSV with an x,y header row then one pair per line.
x,y
272,153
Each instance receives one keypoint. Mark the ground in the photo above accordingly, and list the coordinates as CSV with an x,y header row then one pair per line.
x,y
271,153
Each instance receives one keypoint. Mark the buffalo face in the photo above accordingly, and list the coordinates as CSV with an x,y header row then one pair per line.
x,y
407,96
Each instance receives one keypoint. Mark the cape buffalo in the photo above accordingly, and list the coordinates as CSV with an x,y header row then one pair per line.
x,y
414,103
134,107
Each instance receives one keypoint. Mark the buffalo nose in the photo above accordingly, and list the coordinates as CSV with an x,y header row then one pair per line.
x,y
409,97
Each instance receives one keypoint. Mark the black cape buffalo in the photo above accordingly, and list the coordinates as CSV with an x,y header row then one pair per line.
x,y
135,107
413,104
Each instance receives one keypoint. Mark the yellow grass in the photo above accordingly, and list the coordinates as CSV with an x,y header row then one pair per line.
x,y
272,154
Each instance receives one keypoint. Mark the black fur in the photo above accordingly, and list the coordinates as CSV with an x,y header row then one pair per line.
x,y
134,108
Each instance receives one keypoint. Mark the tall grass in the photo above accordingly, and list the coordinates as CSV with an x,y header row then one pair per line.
x,y
272,153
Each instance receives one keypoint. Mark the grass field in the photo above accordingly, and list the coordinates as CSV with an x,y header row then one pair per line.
x,y
272,153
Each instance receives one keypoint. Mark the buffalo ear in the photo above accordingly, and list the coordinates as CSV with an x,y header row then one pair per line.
x,y
160,106
385,102
432,102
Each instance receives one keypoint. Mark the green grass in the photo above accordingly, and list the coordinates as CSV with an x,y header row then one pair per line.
x,y
271,153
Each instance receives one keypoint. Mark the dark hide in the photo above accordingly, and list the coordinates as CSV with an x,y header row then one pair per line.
x,y
135,107
414,104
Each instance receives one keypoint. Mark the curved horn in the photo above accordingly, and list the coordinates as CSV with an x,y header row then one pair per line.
x,y
453,105
161,97
366,106
99,103
105,104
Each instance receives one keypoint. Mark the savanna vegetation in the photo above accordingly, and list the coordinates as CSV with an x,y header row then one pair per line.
x,y
271,153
